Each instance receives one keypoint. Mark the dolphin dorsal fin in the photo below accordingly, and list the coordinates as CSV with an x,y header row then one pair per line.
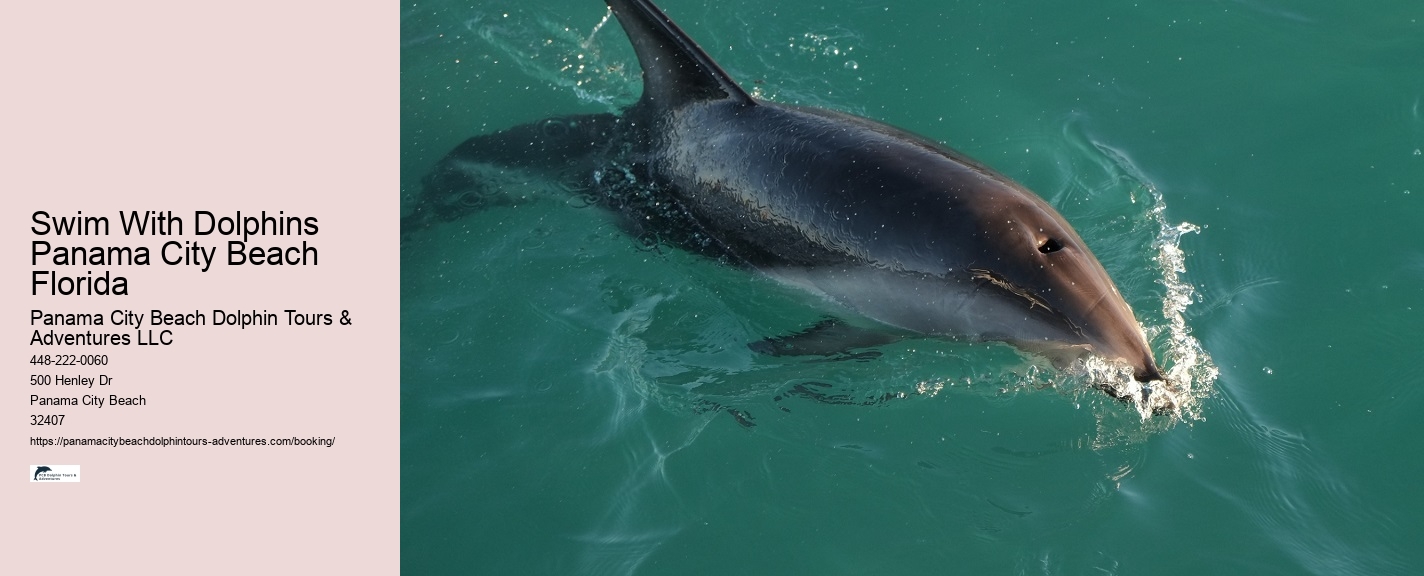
x,y
675,70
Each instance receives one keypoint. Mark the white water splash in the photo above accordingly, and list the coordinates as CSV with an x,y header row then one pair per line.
x,y
562,56
1190,372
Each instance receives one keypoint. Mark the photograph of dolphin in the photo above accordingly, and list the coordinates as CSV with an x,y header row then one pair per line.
x,y
900,236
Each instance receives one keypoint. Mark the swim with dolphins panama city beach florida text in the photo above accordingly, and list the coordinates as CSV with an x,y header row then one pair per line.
x,y
174,252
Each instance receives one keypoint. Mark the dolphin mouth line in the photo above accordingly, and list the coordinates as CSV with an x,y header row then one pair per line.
x,y
1003,283
1034,300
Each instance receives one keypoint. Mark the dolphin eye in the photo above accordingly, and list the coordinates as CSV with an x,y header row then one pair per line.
x,y
1050,246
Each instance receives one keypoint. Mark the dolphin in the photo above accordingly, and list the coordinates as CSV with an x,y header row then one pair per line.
x,y
900,235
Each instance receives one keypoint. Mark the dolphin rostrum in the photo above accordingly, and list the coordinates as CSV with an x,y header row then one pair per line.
x,y
892,229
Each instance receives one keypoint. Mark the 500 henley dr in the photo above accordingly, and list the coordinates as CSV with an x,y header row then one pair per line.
x,y
172,252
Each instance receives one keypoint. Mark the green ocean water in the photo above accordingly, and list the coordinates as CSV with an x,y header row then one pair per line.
x,y
1250,173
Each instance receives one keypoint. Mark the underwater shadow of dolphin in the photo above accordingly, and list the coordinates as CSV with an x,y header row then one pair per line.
x,y
901,235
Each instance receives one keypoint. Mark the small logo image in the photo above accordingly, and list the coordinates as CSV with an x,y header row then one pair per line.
x,y
54,473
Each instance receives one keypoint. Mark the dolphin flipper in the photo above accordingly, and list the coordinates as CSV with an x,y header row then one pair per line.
x,y
829,394
830,337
